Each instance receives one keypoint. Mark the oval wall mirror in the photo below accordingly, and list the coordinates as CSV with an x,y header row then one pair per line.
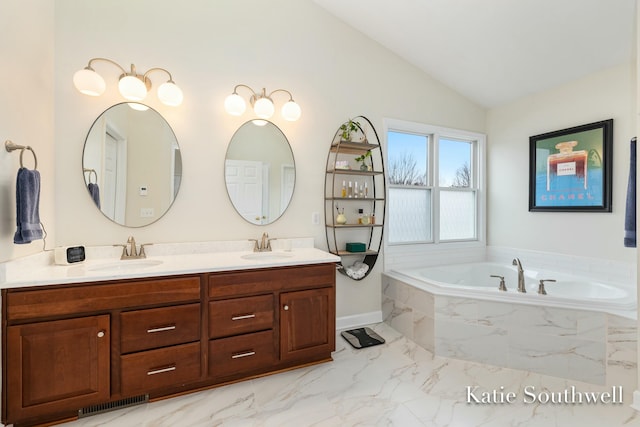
x,y
132,164
259,172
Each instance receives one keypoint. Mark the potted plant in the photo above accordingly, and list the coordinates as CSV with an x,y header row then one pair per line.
x,y
348,129
362,158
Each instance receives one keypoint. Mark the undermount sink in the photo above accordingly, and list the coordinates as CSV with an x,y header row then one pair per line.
x,y
126,265
267,255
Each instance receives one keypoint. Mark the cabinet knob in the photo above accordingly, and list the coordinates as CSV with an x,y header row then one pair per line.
x,y
286,308
101,334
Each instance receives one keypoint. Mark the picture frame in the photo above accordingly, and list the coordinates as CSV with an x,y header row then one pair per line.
x,y
570,170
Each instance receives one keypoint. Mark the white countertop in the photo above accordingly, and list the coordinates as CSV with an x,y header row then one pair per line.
x,y
103,263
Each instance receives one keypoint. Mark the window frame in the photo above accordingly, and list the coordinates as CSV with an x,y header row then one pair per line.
x,y
478,179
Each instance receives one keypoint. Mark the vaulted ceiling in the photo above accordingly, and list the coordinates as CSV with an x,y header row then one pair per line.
x,y
496,51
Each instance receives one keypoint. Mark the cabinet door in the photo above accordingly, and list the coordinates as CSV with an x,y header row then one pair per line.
x,y
307,324
57,367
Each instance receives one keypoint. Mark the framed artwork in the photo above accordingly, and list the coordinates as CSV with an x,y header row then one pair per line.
x,y
570,169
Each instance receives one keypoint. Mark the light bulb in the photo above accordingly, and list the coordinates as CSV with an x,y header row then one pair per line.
x,y
137,106
132,88
291,111
170,94
259,122
235,105
89,82
263,108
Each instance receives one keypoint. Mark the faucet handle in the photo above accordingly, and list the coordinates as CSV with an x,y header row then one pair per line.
x,y
256,248
141,253
502,286
269,243
541,289
124,251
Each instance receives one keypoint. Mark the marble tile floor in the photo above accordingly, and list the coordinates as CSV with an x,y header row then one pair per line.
x,y
395,384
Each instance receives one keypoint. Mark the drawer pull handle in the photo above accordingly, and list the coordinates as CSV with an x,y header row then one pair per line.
x,y
245,354
286,308
162,370
163,329
101,334
243,317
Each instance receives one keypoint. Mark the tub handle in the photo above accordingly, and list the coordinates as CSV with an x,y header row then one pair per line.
x,y
541,289
502,286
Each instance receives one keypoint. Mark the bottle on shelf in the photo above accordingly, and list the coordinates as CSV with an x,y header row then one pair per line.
x,y
366,190
350,190
360,215
344,189
366,219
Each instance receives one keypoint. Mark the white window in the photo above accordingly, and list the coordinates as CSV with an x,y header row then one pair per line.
x,y
436,184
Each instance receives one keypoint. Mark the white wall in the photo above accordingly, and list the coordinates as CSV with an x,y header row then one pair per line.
x,y
210,46
604,95
26,112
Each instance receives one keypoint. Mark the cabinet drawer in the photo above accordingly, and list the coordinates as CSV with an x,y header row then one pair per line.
x,y
159,327
91,297
240,315
240,354
268,280
155,369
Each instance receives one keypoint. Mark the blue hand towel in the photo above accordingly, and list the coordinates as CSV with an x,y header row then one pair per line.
x,y
94,190
27,206
630,212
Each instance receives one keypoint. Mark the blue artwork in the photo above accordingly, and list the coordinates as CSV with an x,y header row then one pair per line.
x,y
568,170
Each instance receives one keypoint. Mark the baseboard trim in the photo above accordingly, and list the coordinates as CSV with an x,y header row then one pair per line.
x,y
358,320
636,400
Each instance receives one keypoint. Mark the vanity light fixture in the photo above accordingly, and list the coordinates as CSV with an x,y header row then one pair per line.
x,y
262,104
132,86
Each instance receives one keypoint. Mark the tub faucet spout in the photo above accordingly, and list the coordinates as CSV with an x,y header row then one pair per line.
x,y
517,263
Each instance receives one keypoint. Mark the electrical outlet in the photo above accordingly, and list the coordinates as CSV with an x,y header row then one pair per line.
x,y
146,213
315,218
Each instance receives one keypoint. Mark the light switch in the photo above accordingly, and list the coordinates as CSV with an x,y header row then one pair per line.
x,y
315,218
146,213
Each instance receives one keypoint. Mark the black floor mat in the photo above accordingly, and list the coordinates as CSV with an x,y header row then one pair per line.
x,y
362,337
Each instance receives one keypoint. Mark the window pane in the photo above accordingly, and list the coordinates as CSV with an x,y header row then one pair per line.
x,y
454,163
407,158
457,215
409,215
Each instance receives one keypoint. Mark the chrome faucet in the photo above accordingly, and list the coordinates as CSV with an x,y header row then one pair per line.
x,y
264,245
521,287
130,251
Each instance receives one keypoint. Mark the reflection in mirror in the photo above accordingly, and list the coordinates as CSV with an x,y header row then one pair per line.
x,y
132,164
259,172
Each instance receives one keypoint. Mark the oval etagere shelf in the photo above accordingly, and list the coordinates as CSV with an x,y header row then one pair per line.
x,y
355,181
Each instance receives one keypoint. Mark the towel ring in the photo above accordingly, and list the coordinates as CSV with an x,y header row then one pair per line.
x,y
92,172
10,146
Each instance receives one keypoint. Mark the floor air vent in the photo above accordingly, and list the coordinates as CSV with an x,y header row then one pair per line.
x,y
112,406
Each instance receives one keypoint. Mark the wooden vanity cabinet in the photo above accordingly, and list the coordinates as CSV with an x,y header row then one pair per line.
x,y
72,347
307,330
62,343
270,319
56,365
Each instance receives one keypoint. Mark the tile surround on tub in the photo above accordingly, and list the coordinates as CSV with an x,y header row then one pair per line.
x,y
593,347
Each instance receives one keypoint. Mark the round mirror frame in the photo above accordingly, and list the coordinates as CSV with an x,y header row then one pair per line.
x,y
93,165
261,154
